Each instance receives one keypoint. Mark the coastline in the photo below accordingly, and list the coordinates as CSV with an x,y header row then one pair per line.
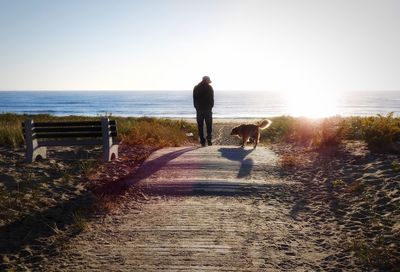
x,y
179,104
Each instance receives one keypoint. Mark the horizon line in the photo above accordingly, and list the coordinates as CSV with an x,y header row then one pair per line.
x,y
171,90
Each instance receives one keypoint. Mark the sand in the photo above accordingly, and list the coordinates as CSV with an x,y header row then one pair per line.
x,y
336,210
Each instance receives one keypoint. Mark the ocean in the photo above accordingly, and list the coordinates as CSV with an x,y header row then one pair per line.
x,y
178,104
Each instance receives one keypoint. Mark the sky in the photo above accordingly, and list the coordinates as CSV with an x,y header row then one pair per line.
x,y
283,45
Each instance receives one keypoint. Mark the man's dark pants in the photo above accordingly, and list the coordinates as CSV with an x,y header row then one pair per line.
x,y
201,116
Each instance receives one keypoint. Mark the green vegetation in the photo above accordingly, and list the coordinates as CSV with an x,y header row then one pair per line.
x,y
396,166
381,133
144,130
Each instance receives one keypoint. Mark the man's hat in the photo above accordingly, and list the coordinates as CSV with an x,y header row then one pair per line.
x,y
207,79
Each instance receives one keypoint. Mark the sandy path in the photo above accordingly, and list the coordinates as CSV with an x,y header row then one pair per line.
x,y
218,208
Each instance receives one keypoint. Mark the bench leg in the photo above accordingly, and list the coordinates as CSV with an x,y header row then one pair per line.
x,y
32,155
110,154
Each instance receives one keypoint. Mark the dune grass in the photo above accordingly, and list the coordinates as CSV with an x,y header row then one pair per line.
x,y
145,130
381,133
157,132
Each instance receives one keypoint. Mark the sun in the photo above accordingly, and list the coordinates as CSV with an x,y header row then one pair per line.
x,y
312,104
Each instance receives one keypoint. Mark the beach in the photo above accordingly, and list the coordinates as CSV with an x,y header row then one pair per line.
x,y
347,199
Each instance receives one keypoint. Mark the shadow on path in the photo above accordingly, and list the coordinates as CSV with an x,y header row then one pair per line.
x,y
151,167
120,187
239,154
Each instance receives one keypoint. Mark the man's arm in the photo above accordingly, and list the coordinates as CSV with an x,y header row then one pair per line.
x,y
195,99
212,96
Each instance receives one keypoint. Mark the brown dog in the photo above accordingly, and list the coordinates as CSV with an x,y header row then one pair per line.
x,y
250,132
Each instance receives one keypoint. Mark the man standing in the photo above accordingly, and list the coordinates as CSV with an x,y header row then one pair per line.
x,y
203,100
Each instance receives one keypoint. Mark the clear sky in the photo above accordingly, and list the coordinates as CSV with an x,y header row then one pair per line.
x,y
170,44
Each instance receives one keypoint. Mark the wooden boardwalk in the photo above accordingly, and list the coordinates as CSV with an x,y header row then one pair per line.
x,y
218,208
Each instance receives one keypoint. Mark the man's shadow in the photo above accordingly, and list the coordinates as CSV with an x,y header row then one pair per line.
x,y
239,154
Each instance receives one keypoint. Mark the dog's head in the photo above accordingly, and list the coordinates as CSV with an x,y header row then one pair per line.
x,y
235,131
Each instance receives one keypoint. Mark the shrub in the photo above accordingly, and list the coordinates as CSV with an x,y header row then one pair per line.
x,y
381,132
329,133
303,131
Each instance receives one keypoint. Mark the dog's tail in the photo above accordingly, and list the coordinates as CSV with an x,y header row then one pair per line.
x,y
264,124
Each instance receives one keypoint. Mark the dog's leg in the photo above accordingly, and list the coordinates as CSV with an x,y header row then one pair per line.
x,y
257,139
245,139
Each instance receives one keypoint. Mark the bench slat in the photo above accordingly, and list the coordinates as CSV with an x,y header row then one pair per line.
x,y
70,124
66,129
71,142
71,135
70,129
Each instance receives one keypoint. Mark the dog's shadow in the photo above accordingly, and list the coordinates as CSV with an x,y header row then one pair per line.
x,y
239,154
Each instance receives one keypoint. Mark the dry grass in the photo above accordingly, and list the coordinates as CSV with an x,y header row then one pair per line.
x,y
156,133
291,161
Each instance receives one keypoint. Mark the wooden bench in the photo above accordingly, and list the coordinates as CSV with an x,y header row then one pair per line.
x,y
38,136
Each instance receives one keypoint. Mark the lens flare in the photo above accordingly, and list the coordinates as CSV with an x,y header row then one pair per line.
x,y
311,104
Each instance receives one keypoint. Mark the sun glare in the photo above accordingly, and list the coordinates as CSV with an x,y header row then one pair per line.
x,y
311,104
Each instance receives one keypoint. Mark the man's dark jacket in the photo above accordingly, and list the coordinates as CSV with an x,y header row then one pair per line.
x,y
203,97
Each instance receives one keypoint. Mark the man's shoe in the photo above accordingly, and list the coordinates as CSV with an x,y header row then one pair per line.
x,y
203,144
209,142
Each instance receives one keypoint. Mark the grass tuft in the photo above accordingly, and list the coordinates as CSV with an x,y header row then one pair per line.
x,y
396,166
79,221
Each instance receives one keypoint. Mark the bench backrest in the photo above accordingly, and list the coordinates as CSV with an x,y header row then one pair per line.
x,y
70,133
